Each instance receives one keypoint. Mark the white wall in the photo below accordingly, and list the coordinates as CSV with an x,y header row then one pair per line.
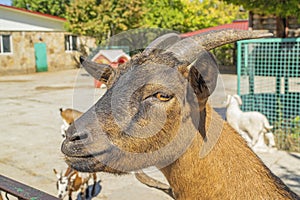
x,y
14,20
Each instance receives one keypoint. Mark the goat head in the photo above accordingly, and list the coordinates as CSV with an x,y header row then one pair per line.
x,y
154,105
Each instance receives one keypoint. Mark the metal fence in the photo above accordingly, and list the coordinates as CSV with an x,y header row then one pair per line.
x,y
10,187
269,82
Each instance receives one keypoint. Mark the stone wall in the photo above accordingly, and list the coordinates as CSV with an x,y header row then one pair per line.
x,y
22,58
268,22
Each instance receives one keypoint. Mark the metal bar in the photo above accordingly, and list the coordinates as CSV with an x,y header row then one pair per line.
x,y
270,40
22,191
239,66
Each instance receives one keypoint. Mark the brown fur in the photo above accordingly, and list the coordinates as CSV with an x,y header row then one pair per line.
x,y
70,115
76,182
129,129
226,173
230,171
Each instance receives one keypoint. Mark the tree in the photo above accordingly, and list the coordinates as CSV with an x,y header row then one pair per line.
x,y
102,19
187,15
166,14
51,7
209,13
280,8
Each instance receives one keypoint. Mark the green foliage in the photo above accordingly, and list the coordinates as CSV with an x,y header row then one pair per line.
x,y
225,54
102,19
287,140
168,14
83,18
51,7
187,15
106,18
296,126
209,13
287,137
277,7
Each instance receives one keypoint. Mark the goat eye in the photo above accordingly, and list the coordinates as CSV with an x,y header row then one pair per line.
x,y
162,96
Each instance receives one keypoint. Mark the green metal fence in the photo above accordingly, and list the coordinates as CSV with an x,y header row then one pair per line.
x,y
269,82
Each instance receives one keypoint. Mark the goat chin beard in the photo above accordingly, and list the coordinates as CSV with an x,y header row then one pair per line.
x,y
90,165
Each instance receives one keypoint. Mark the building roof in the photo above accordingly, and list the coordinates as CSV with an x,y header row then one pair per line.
x,y
237,24
19,19
112,54
29,12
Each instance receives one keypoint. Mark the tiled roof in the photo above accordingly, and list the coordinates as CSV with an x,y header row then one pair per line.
x,y
238,24
112,54
32,12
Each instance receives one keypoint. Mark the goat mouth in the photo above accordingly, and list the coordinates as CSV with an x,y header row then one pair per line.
x,y
90,165
82,159
83,164
83,154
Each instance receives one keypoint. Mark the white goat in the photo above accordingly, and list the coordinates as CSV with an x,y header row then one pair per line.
x,y
74,181
252,126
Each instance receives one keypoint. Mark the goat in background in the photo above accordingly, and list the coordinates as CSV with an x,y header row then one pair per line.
x,y
252,126
155,113
74,181
68,116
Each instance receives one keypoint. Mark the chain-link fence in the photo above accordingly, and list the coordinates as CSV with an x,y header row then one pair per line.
x,y
269,82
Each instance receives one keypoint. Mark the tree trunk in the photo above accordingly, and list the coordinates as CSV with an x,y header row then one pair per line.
x,y
281,25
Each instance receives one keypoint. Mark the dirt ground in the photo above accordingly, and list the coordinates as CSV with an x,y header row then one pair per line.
x,y
30,133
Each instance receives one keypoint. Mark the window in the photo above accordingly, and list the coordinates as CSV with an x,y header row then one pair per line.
x,y
71,43
5,44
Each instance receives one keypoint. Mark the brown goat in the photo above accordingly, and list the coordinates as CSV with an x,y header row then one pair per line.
x,y
72,181
155,113
69,115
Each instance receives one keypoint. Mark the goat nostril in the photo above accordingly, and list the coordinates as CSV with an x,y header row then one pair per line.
x,y
78,136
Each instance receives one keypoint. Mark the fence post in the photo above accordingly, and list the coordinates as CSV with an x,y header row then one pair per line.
x,y
239,66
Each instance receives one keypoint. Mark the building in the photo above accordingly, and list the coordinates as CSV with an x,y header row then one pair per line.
x,y
32,42
280,27
113,57
237,25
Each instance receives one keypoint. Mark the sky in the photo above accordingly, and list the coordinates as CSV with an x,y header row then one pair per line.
x,y
6,2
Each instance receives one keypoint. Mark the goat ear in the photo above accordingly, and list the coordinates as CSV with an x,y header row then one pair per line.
x,y
238,98
101,72
58,176
228,100
68,171
203,75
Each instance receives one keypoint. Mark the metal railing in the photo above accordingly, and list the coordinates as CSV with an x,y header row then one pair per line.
x,y
21,191
269,82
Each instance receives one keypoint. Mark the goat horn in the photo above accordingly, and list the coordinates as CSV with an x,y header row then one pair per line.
x,y
189,48
162,43
100,72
